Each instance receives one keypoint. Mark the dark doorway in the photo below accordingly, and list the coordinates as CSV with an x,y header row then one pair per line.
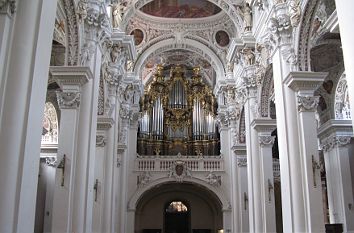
x,y
177,217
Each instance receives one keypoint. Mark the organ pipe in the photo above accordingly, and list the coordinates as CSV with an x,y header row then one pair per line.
x,y
187,114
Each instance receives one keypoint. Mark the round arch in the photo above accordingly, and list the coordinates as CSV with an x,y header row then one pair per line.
x,y
134,200
187,44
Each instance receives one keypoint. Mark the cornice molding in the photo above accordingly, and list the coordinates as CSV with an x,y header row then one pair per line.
x,y
305,81
67,76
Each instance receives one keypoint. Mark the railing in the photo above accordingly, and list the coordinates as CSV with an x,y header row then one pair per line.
x,y
165,163
49,139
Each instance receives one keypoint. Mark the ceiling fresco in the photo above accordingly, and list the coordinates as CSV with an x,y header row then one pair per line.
x,y
181,8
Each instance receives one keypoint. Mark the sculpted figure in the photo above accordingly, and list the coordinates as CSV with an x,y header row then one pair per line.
x,y
115,53
246,12
117,14
248,56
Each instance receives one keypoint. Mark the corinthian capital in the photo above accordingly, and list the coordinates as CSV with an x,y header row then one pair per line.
x,y
266,140
331,142
68,100
307,103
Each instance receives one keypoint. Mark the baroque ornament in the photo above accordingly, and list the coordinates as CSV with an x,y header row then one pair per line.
x,y
67,100
72,32
294,12
331,142
307,103
8,6
266,140
144,179
179,171
100,141
51,161
213,179
242,162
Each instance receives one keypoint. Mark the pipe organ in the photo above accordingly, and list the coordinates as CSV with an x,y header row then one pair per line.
x,y
178,115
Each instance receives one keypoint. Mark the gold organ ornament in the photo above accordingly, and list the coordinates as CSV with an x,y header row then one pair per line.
x,y
178,114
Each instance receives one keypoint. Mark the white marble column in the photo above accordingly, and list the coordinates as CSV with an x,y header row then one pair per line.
x,y
130,159
301,202
253,160
104,163
231,172
304,84
7,10
335,136
240,152
265,128
70,100
22,93
109,168
346,19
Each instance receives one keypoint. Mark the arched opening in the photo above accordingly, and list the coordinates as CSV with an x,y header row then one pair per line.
x,y
178,208
177,217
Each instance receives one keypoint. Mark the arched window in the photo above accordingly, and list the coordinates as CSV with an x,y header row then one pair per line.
x,y
342,106
50,125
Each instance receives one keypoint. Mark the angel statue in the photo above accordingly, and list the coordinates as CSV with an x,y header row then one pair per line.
x,y
117,13
246,13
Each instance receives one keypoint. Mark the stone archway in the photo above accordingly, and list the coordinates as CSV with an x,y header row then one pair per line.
x,y
205,208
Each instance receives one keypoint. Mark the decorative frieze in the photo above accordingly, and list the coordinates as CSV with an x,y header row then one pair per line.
x,y
68,100
331,142
307,103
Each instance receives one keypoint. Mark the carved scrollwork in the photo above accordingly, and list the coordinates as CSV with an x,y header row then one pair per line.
x,y
68,100
307,103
